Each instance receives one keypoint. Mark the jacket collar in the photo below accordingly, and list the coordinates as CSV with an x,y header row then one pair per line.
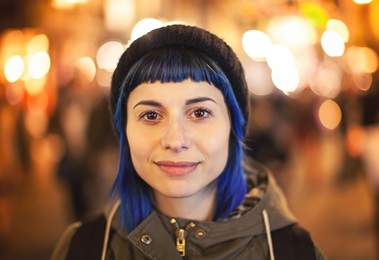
x,y
245,225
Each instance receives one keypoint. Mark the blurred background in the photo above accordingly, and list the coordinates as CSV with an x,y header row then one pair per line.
x,y
312,71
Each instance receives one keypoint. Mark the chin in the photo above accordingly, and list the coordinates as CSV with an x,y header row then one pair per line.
x,y
178,195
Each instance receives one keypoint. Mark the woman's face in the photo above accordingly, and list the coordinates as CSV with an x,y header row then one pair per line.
x,y
178,135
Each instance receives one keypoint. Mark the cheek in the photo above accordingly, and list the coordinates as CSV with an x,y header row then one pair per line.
x,y
142,143
136,143
217,145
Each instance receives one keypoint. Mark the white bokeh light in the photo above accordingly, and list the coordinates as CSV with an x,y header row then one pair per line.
x,y
144,26
14,68
256,44
280,56
286,79
109,54
332,44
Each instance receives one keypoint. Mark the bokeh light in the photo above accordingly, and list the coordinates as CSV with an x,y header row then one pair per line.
x,y
330,114
362,81
292,31
39,65
256,44
103,78
38,43
36,123
87,67
144,26
280,57
14,68
14,93
34,86
108,55
67,4
118,14
361,59
355,140
339,27
332,44
362,1
315,13
258,78
286,79
327,82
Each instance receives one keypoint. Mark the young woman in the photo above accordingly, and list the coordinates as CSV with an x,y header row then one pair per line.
x,y
184,189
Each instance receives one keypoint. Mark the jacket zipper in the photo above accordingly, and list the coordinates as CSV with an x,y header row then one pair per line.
x,y
181,236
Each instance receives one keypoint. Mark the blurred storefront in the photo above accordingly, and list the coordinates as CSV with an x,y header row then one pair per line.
x,y
312,70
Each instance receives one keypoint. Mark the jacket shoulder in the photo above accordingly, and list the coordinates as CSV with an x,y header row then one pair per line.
x,y
82,240
61,248
294,242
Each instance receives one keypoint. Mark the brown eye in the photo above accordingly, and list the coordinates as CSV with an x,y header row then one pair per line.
x,y
151,115
200,113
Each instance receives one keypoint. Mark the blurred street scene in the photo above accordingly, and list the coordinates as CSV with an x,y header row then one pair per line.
x,y
312,71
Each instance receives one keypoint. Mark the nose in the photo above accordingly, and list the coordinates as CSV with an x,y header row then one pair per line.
x,y
175,136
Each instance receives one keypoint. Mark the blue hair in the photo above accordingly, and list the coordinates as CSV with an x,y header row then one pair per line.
x,y
176,64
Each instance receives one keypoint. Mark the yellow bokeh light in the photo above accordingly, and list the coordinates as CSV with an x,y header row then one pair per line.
x,y
315,13
37,44
14,68
65,4
362,81
338,27
35,86
361,59
330,114
370,59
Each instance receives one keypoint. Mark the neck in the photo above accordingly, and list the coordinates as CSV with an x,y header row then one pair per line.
x,y
196,207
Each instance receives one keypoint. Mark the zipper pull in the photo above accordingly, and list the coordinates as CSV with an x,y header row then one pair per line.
x,y
181,236
181,242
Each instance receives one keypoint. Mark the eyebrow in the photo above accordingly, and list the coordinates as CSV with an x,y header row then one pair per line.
x,y
188,102
199,99
148,103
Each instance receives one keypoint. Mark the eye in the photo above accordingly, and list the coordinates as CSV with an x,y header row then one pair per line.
x,y
200,113
150,116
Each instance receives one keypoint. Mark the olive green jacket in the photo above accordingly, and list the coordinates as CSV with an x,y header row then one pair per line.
x,y
242,237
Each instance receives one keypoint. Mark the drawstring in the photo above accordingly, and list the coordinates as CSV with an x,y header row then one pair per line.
x,y
108,228
268,234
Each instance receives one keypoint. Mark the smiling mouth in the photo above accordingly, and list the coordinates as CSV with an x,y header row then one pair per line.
x,y
177,169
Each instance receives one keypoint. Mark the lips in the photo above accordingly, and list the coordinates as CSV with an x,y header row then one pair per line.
x,y
177,169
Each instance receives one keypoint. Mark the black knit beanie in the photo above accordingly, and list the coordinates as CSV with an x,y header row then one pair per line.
x,y
194,38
